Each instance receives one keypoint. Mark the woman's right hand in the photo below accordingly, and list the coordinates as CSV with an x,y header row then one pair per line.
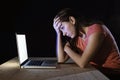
x,y
57,24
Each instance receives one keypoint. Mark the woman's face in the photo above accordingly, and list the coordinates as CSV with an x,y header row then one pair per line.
x,y
68,29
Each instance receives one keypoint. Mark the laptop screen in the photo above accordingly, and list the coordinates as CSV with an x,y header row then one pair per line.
x,y
22,47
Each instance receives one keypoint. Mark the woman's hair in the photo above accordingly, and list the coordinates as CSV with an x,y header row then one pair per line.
x,y
80,21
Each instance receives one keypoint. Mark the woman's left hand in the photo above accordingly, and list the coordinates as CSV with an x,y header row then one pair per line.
x,y
67,47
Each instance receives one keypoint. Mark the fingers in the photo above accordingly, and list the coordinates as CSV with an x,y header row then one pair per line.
x,y
57,24
67,44
66,47
56,19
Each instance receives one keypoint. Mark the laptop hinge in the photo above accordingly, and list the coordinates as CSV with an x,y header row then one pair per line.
x,y
24,62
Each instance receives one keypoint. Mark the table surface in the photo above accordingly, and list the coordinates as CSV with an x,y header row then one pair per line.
x,y
11,70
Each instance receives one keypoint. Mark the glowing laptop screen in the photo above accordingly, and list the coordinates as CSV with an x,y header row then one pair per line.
x,y
22,47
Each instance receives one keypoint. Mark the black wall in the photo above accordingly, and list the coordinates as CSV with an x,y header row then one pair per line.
x,y
34,18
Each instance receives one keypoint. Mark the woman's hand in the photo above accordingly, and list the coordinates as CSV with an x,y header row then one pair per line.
x,y
57,24
67,47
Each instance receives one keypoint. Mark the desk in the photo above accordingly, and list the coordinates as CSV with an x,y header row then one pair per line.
x,y
10,70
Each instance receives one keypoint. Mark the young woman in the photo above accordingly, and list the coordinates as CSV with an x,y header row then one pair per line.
x,y
91,42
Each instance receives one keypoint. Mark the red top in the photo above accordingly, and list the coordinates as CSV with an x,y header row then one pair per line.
x,y
108,55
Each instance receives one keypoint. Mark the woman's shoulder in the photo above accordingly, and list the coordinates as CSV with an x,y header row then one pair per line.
x,y
95,28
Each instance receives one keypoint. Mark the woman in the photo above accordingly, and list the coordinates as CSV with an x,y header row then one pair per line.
x,y
90,41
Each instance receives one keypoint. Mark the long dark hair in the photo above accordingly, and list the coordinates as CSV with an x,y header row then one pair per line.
x,y
81,21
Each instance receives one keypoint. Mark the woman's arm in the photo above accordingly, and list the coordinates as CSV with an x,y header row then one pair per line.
x,y
93,46
62,56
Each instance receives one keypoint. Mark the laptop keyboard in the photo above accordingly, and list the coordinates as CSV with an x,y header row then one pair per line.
x,y
35,62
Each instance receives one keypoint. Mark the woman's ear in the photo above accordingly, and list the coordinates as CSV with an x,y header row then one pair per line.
x,y
72,19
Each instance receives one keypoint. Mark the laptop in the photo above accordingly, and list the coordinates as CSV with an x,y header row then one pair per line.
x,y
27,62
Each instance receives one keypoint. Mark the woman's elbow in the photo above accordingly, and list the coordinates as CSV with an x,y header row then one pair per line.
x,y
61,61
82,65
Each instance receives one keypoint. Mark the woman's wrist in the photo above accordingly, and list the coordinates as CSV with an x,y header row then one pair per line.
x,y
59,34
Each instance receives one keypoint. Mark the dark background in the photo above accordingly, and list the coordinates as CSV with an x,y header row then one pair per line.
x,y
35,18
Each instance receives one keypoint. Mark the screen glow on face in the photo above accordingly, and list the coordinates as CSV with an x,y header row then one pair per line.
x,y
68,29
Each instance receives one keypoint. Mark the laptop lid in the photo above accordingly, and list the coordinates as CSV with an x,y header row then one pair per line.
x,y
21,47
